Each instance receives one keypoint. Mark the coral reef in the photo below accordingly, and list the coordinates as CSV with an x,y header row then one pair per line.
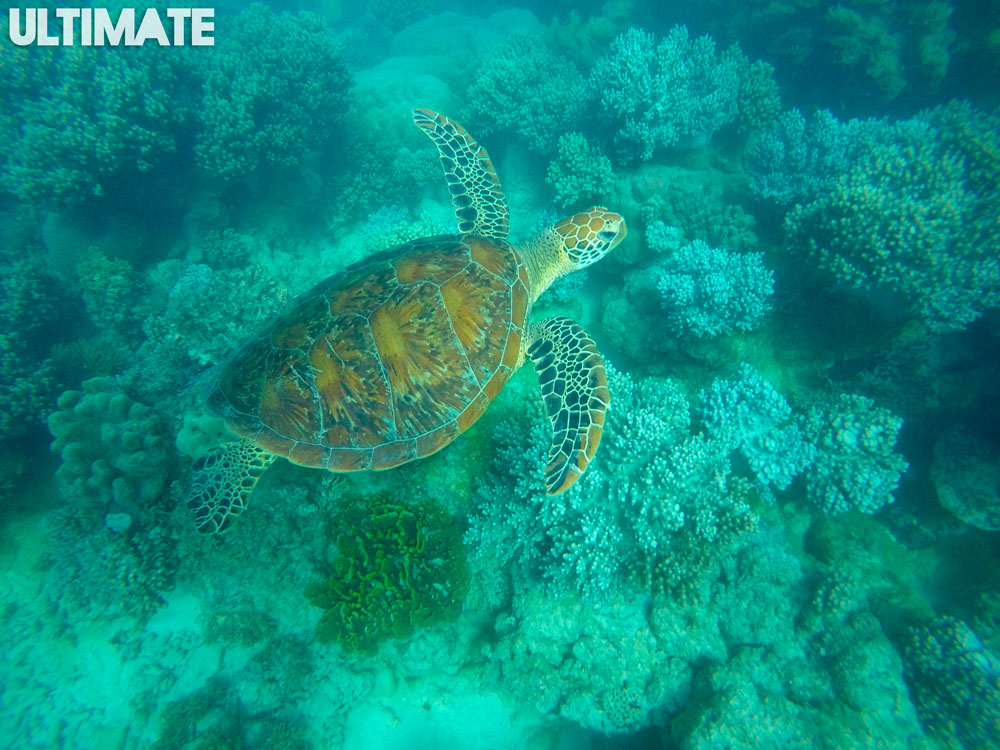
x,y
706,291
654,487
528,89
28,380
114,451
93,118
203,316
854,465
908,220
649,95
748,414
956,682
399,567
966,477
274,91
580,173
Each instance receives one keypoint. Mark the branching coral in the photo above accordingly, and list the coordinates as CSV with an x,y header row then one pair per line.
x,y
966,476
27,375
653,94
652,487
956,682
706,291
206,314
528,89
749,414
274,90
96,116
868,40
854,465
906,220
676,92
699,208
580,173
399,567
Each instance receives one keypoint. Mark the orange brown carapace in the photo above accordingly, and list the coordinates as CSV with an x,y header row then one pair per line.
x,y
385,362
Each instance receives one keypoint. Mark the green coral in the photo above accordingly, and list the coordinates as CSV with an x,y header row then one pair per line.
x,y
27,375
114,450
274,91
399,567
581,173
915,220
528,89
101,113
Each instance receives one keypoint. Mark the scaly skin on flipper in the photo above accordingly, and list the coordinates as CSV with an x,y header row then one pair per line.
x,y
575,391
480,205
223,482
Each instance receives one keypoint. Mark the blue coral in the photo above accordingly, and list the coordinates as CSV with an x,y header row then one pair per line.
x,y
855,464
706,291
748,414
653,496
656,94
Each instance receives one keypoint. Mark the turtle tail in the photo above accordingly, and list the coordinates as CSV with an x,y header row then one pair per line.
x,y
223,482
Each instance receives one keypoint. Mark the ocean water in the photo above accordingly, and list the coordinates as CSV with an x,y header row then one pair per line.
x,y
785,533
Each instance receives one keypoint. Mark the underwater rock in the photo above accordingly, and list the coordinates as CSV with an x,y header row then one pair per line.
x,y
966,476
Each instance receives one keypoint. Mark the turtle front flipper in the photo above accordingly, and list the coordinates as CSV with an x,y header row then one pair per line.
x,y
575,391
480,205
223,482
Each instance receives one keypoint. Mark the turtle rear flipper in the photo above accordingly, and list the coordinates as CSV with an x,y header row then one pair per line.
x,y
223,482
575,390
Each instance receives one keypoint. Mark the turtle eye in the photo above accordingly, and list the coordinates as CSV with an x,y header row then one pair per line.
x,y
607,235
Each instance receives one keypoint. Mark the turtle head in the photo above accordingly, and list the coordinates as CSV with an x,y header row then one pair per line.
x,y
590,235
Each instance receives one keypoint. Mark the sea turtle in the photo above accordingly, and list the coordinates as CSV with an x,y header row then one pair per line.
x,y
392,358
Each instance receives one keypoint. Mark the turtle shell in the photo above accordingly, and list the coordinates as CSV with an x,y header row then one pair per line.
x,y
386,361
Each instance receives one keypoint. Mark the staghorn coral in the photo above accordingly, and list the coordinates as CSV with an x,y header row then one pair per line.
x,y
706,291
114,451
274,91
854,465
399,567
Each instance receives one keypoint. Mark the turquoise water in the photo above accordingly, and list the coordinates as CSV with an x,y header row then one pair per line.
x,y
787,536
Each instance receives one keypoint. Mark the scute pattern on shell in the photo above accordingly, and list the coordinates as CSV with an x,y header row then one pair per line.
x,y
386,361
